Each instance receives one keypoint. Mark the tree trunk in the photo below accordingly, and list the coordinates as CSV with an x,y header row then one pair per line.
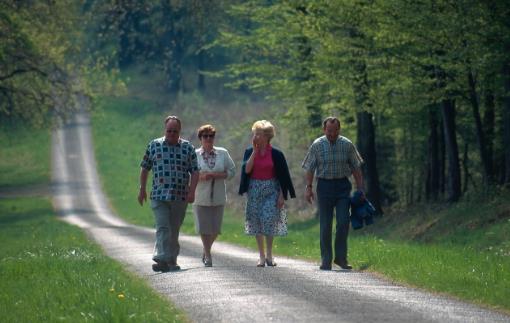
x,y
173,50
433,162
506,121
452,150
480,136
366,146
489,125
465,167
442,159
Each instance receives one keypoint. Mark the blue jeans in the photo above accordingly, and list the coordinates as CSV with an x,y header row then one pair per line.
x,y
334,194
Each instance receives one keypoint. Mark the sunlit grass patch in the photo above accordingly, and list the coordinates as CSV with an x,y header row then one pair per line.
x,y
51,272
25,156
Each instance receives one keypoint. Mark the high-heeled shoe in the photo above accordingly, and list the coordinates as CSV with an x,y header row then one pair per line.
x,y
208,262
270,262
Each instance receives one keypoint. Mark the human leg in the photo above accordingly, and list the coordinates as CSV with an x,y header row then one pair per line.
x,y
269,251
161,212
177,214
326,207
260,245
342,232
207,240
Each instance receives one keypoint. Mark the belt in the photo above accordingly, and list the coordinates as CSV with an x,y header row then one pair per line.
x,y
331,179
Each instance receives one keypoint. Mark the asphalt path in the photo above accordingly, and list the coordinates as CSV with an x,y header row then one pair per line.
x,y
234,289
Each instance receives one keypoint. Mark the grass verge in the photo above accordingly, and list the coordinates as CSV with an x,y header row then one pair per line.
x,y
459,263
25,156
51,272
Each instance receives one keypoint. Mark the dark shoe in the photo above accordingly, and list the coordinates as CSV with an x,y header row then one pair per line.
x,y
270,262
174,267
203,258
207,262
325,267
161,267
343,264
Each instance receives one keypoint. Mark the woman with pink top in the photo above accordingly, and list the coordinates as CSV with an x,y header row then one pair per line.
x,y
265,177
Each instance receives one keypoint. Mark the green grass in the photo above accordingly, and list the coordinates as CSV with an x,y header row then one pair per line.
x,y
462,250
51,272
25,156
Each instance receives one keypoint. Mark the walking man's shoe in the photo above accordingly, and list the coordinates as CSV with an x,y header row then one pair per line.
x,y
343,264
325,266
173,266
160,267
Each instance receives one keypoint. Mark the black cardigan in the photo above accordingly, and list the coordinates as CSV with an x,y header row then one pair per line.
x,y
281,171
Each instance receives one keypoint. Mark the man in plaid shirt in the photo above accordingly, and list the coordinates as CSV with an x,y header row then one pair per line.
x,y
173,162
333,159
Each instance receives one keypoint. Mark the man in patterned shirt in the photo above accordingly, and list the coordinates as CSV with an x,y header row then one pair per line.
x,y
332,159
173,162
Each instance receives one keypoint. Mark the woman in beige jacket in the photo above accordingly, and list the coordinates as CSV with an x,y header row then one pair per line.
x,y
215,166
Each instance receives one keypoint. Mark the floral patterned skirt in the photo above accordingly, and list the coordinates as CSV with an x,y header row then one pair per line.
x,y
262,213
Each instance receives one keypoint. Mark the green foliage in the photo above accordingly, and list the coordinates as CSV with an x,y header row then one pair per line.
x,y
42,52
390,58
33,67
165,35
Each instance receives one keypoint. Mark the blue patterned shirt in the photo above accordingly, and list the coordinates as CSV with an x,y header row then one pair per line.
x,y
330,161
171,166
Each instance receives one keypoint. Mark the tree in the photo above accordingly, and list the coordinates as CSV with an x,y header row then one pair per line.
x,y
36,74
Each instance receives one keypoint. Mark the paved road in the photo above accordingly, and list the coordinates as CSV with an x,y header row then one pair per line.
x,y
234,290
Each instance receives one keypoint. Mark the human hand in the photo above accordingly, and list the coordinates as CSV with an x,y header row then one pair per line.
x,y
362,196
205,176
281,202
309,196
254,142
142,196
190,198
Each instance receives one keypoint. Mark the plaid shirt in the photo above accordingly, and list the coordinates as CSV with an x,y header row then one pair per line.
x,y
331,161
171,166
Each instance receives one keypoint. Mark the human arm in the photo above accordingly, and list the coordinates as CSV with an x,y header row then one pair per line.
x,y
309,196
142,192
190,198
206,176
358,178
250,162
281,201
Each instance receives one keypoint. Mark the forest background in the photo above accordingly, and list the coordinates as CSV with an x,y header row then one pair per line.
x,y
421,87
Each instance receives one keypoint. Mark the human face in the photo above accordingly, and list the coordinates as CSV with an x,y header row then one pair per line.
x,y
172,132
332,130
259,139
207,140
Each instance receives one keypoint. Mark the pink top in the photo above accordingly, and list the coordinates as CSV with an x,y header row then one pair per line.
x,y
263,165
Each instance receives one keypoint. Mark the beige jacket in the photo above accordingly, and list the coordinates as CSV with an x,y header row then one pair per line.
x,y
209,193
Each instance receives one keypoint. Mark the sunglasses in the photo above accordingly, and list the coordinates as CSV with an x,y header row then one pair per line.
x,y
207,136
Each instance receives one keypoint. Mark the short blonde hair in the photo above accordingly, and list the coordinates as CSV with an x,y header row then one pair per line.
x,y
266,127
